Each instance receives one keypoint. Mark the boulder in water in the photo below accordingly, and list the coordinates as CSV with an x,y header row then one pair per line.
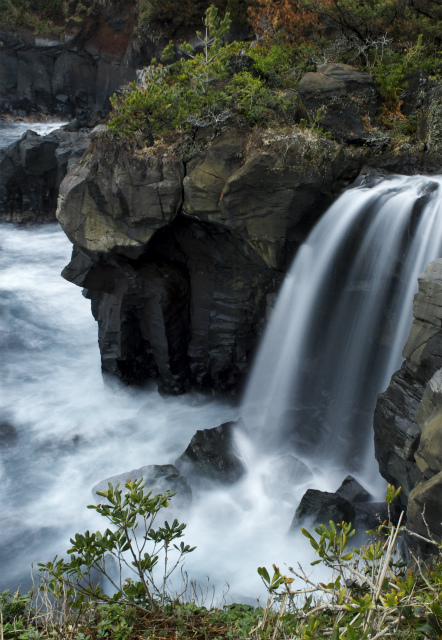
x,y
212,455
320,507
31,171
8,433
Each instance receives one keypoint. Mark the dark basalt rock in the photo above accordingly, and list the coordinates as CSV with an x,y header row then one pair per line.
x,y
340,99
320,507
158,478
8,434
40,74
31,171
352,491
371,514
212,455
408,416
178,256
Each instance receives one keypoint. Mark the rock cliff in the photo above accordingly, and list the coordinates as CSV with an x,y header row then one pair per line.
x,y
181,250
31,171
41,74
408,416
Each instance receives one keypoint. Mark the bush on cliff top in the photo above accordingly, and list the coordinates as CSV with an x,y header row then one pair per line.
x,y
205,87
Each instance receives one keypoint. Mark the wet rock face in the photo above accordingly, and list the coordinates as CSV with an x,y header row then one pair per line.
x,y
31,171
321,507
408,416
352,491
178,256
212,455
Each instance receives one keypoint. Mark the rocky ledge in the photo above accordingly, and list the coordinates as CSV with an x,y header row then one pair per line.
x,y
408,416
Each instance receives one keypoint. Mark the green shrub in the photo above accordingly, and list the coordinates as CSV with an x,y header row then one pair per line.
x,y
136,552
371,593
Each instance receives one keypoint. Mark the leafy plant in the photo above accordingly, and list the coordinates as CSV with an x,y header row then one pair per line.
x,y
372,592
132,517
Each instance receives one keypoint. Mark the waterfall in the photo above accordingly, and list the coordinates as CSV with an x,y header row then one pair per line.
x,y
340,322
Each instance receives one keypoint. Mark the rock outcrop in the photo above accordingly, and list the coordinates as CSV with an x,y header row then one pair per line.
x,y
408,416
31,171
178,254
320,507
76,77
341,99
212,455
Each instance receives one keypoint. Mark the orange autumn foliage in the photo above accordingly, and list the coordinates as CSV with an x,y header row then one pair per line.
x,y
293,20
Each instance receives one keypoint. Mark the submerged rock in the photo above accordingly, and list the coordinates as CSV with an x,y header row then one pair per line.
x,y
212,455
319,507
284,476
289,469
8,433
158,478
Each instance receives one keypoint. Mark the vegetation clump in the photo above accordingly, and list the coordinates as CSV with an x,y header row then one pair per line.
x,y
371,591
390,39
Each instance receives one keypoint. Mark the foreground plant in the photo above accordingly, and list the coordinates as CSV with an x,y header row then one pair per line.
x,y
133,556
372,593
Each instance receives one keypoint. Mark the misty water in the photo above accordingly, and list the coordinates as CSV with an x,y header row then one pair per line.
x,y
341,320
63,428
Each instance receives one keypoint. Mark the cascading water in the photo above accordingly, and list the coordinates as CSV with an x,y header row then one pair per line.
x,y
62,430
340,322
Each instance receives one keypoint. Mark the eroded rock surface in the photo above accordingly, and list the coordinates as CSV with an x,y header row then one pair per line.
x,y
408,416
31,171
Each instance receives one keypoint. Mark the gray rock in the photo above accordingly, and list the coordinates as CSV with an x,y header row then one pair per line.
x,y
352,491
63,78
370,515
158,478
8,434
31,171
319,507
424,512
341,99
212,455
